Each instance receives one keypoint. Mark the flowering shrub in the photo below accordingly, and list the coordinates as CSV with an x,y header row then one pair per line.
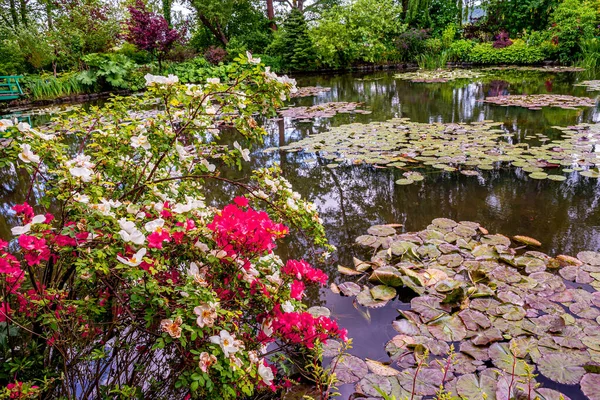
x,y
123,281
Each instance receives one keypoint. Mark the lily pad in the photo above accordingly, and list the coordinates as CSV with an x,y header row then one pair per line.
x,y
472,387
382,292
527,240
590,383
561,368
381,230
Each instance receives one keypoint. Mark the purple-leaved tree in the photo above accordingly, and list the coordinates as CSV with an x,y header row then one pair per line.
x,y
151,32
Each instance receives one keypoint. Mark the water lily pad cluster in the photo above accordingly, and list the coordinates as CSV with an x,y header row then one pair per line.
x,y
324,110
308,91
538,101
509,312
592,86
556,68
438,76
470,148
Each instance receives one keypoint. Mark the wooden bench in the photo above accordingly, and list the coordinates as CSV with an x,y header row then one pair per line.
x,y
10,88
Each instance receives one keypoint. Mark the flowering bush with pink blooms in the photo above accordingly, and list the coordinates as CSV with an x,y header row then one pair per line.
x,y
121,281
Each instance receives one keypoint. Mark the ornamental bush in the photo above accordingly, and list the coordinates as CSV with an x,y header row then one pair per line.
x,y
122,281
517,53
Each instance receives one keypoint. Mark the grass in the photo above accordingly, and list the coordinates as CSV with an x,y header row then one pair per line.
x,y
432,61
48,87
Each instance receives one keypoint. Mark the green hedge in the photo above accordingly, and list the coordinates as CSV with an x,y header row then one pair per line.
x,y
518,53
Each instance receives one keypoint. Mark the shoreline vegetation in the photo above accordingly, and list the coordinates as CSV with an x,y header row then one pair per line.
x,y
90,47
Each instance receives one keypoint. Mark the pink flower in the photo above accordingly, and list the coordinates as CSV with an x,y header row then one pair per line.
x,y
247,232
241,201
297,290
5,311
303,270
156,239
25,209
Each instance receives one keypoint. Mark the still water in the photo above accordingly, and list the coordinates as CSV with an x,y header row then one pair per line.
x,y
564,216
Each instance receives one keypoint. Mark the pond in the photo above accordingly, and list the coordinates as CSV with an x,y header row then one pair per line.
x,y
563,216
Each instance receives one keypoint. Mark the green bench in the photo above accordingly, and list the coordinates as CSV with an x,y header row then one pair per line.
x,y
10,88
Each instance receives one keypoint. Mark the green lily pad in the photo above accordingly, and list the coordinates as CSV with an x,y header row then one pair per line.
x,y
404,181
472,387
365,299
561,368
382,292
381,230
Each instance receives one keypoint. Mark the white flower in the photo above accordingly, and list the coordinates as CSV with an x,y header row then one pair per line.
x,y
140,141
81,198
227,342
206,315
291,204
198,274
210,167
43,135
206,360
270,75
104,207
265,373
23,127
245,152
183,154
81,167
210,110
38,219
275,278
135,237
154,226
160,80
27,156
253,356
252,60
134,260
130,233
260,194
213,81
202,246
267,328
19,230
288,307
5,124
80,172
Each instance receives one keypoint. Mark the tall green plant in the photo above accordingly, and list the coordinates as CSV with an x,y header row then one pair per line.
x,y
574,22
48,87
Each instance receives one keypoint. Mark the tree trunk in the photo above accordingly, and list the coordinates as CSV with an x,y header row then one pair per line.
x,y
13,13
166,6
24,12
49,16
214,29
271,14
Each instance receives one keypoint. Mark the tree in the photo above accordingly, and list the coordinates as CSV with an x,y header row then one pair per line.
x,y
150,32
293,44
363,30
573,21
